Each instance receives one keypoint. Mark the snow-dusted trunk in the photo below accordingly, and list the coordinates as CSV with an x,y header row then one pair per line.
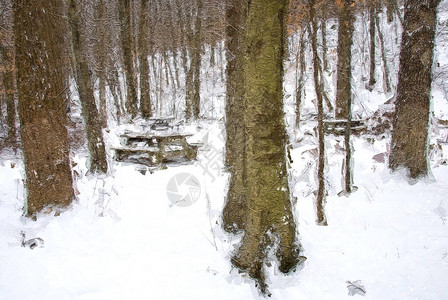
x,y
411,120
372,25
41,69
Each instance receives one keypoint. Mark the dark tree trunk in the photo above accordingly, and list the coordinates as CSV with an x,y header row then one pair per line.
x,y
345,40
234,210
101,46
386,77
193,100
300,75
411,120
40,65
372,23
10,91
124,11
95,141
145,98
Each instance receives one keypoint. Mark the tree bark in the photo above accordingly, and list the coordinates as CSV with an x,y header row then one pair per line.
x,y
345,40
10,91
372,25
235,208
95,140
412,104
269,209
321,190
102,62
145,98
39,35
124,11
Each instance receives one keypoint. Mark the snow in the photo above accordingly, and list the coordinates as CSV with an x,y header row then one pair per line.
x,y
124,239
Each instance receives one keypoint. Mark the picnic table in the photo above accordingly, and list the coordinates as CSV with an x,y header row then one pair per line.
x,y
338,127
154,149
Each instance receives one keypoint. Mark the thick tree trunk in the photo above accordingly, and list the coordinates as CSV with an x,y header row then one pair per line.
x,y
235,208
145,98
124,11
40,66
269,209
345,37
411,120
95,141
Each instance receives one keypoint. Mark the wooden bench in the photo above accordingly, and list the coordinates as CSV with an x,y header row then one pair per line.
x,y
152,150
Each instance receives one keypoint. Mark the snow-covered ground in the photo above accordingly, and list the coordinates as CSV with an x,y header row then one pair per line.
x,y
124,238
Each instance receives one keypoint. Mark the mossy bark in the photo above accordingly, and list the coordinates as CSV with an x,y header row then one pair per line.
x,y
412,104
269,209
234,210
40,65
95,140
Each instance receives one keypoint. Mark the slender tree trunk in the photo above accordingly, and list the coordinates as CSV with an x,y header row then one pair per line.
x,y
102,62
321,191
345,37
412,104
269,209
95,141
324,37
386,75
300,77
40,66
145,97
372,21
124,11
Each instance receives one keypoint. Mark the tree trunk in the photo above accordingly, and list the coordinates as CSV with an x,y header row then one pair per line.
x,y
235,208
300,74
145,98
372,21
269,209
124,11
345,37
10,91
101,46
321,191
40,66
412,104
386,77
193,100
95,141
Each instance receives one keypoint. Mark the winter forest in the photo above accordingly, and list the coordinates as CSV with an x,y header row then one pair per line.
x,y
234,149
